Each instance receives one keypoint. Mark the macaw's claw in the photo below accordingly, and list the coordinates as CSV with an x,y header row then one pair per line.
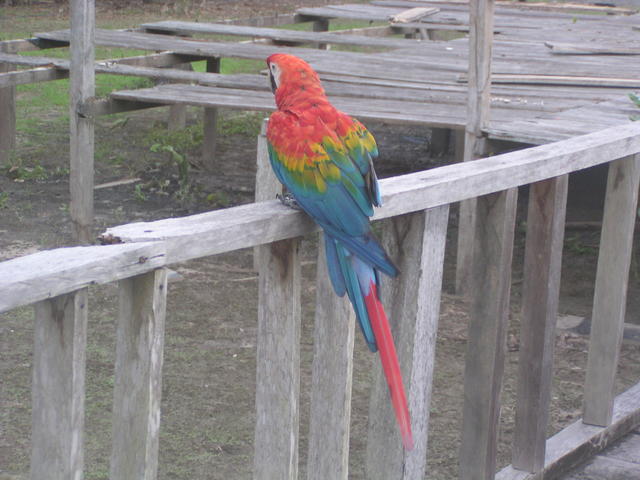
x,y
288,200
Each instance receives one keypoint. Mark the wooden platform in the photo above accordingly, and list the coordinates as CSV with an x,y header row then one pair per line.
x,y
552,72
621,461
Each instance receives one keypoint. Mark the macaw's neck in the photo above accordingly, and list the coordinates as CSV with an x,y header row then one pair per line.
x,y
299,95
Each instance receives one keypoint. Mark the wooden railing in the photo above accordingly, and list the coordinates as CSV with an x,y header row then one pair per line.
x,y
417,206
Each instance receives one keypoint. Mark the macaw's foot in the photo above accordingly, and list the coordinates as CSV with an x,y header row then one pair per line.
x,y
288,200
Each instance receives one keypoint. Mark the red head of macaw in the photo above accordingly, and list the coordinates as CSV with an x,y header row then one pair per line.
x,y
324,158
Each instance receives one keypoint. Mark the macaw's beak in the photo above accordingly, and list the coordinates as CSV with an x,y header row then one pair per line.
x,y
272,81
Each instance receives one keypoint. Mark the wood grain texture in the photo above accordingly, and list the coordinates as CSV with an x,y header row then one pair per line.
x,y
249,225
50,273
578,442
478,113
610,296
541,291
331,380
278,362
82,87
416,243
57,422
138,376
276,34
8,117
210,124
486,344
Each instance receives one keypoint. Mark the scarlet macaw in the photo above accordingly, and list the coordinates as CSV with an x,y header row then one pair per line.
x,y
324,158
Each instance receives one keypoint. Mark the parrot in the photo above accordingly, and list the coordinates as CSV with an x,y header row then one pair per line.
x,y
324,158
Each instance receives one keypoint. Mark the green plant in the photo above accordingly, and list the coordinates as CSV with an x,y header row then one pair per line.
x,y
635,99
19,172
138,193
4,199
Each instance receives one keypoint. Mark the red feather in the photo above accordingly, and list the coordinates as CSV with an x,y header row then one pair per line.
x,y
390,365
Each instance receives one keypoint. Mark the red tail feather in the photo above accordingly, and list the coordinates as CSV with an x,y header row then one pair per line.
x,y
390,365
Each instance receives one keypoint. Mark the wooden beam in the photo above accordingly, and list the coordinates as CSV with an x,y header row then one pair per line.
x,y
7,116
138,376
249,225
578,442
267,184
82,87
486,344
478,105
541,291
51,273
416,242
331,380
57,410
210,125
278,362
610,297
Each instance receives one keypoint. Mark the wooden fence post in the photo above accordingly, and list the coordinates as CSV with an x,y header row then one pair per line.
x,y
540,294
484,364
138,376
210,122
609,302
478,108
416,241
82,87
7,118
57,437
331,380
278,362
267,184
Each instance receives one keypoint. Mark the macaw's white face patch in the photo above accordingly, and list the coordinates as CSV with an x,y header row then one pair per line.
x,y
274,76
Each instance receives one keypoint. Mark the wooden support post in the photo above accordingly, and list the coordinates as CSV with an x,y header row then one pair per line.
x,y
177,117
7,118
541,291
331,380
210,122
439,144
267,184
484,364
82,86
321,25
416,242
278,362
609,302
178,111
138,376
478,104
57,443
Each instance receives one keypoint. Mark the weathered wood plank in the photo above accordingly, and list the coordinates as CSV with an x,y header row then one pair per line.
x,y
249,225
486,344
416,242
267,184
538,79
82,87
8,117
138,376
276,34
562,48
210,122
478,114
50,273
57,436
278,362
541,291
579,441
610,296
331,380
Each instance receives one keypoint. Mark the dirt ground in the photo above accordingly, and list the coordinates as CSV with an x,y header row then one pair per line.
x,y
209,372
